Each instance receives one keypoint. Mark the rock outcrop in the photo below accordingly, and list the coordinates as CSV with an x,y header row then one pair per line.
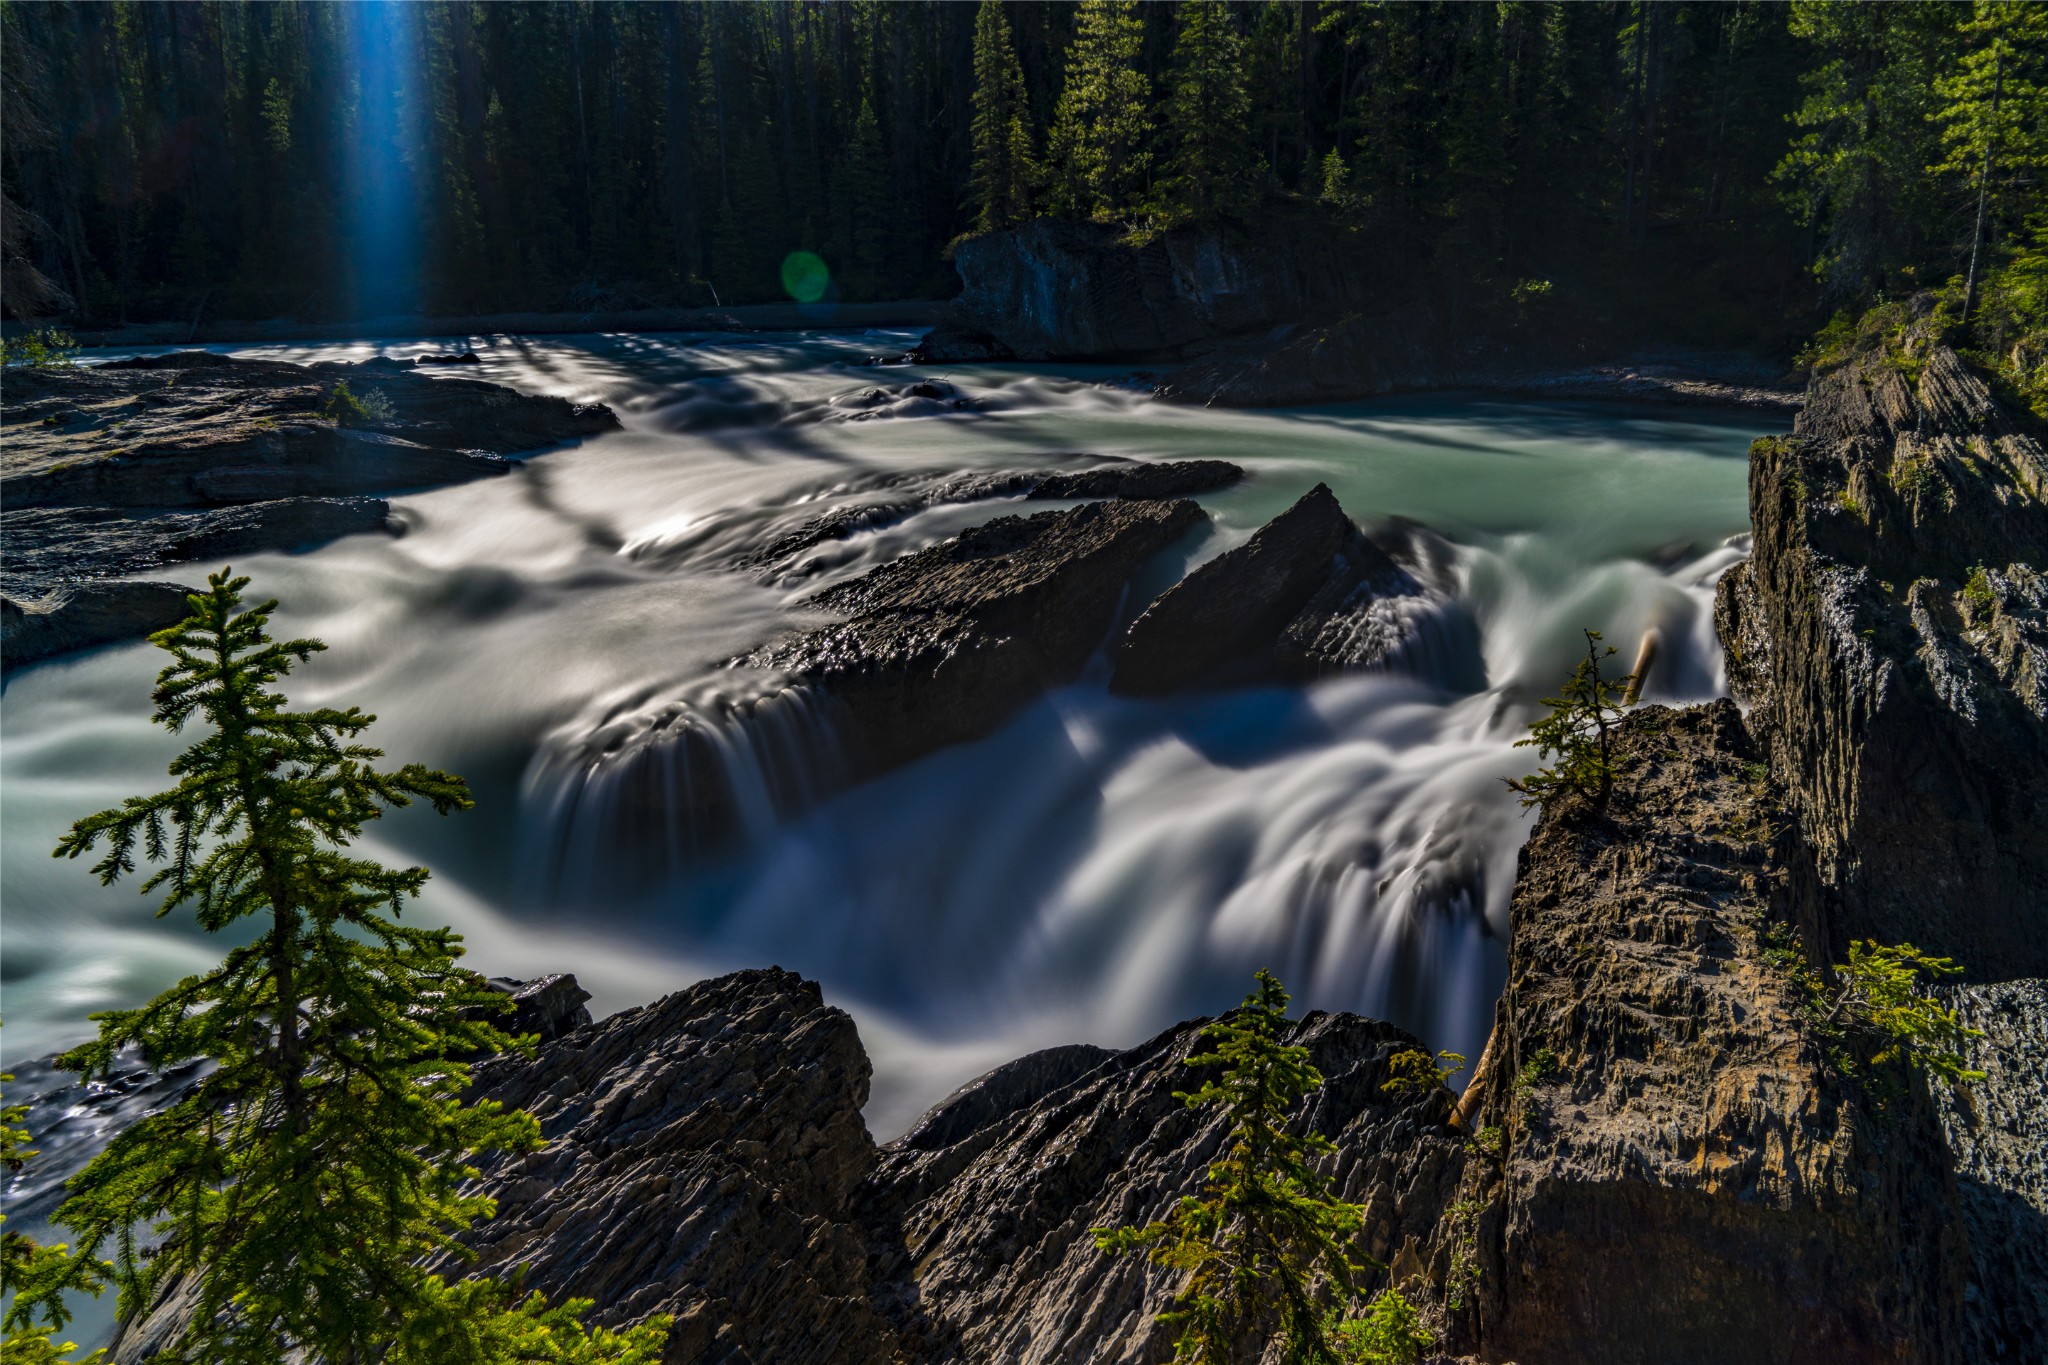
x,y
1891,632
1308,595
1236,602
1054,289
134,465
1675,1171
943,645
707,1159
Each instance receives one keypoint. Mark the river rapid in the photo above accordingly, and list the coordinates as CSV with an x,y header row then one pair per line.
x,y
1096,870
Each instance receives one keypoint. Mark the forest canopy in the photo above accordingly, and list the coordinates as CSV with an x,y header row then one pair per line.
x,y
1751,164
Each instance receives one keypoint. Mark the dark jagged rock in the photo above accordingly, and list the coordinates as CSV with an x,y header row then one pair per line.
x,y
1998,1131
983,1249
1236,601
134,464
1002,1092
1389,603
707,1159
548,1007
1682,1175
1891,632
1307,596
942,646
703,1154
81,615
1054,289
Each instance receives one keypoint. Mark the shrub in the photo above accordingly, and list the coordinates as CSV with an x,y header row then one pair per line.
x,y
349,409
1415,1072
46,348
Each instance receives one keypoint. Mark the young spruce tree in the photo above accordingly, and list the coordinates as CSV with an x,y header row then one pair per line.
x,y
1001,127
1213,167
1579,732
1266,1243
303,1182
1102,125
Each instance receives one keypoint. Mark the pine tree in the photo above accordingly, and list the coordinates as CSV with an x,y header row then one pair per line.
x,y
1213,167
1001,129
1102,126
1580,731
1994,120
302,1182
1266,1228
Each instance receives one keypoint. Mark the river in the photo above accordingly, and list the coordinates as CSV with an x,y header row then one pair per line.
x,y
1096,870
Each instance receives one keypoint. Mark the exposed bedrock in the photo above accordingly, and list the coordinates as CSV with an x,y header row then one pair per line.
x,y
138,464
1055,289
1891,632
1309,594
943,645
1682,1175
707,1159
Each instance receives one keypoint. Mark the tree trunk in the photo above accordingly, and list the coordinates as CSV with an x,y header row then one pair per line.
x,y
1984,185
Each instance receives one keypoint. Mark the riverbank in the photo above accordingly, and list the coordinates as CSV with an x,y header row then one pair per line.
x,y
753,317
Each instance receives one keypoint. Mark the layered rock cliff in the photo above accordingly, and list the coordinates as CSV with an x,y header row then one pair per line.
x,y
1891,633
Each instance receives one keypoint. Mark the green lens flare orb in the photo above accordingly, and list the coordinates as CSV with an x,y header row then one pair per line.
x,y
805,276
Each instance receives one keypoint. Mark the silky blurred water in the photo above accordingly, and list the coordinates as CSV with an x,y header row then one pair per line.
x,y
1097,870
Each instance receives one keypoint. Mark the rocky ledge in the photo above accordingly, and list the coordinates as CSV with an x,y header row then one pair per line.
x,y
124,468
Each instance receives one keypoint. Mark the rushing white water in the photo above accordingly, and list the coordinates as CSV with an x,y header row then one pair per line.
x,y
1097,869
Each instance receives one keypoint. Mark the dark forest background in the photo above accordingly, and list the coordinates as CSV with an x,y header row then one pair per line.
x,y
1749,164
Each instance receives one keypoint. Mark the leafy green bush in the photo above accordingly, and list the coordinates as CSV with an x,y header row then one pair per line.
x,y
1874,1019
1390,1333
1578,731
43,349
1978,596
303,1183
349,409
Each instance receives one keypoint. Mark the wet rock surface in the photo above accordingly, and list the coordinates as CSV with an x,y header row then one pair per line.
x,y
138,464
1891,633
81,615
1681,1174
943,645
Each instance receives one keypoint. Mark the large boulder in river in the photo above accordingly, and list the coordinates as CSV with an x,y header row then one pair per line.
x,y
1307,596
1891,632
945,644
1239,599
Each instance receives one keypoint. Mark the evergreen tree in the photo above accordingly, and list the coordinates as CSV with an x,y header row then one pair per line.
x,y
1580,731
1001,129
301,1183
1857,170
1213,166
1265,1240
1994,121
1102,126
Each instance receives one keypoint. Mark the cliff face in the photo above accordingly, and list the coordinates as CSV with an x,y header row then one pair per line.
x,y
1891,634
1057,289
1680,1174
